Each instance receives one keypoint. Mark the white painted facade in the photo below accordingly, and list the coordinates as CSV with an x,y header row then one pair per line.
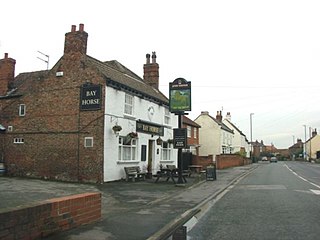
x,y
312,146
239,139
143,110
214,139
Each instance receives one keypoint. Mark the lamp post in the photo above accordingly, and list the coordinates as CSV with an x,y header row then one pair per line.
x,y
305,142
251,136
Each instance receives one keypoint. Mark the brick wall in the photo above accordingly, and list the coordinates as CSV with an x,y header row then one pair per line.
x,y
50,216
230,160
222,161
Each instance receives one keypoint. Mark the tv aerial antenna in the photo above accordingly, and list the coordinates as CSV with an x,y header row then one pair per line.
x,y
44,60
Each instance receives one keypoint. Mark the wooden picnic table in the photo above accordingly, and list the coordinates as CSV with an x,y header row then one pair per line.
x,y
195,169
169,173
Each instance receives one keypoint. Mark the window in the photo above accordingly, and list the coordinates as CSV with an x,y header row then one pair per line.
x,y
189,131
166,116
22,110
166,151
127,149
18,140
88,142
128,104
194,132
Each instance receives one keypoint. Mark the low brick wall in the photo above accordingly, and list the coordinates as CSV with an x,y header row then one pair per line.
x,y
230,160
50,216
204,161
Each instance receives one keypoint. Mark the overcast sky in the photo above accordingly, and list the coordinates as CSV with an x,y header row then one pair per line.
x,y
243,57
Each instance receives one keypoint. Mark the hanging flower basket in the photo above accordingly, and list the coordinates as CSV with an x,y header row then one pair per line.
x,y
116,128
133,135
159,141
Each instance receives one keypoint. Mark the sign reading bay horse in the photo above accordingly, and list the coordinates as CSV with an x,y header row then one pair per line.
x,y
90,97
180,95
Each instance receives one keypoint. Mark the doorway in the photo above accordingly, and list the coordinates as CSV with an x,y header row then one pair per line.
x,y
150,156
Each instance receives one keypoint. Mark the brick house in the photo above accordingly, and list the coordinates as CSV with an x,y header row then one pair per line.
x,y
192,135
84,119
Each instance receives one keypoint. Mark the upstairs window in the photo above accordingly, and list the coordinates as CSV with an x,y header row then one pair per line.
x,y
194,132
189,131
22,110
18,140
128,104
166,116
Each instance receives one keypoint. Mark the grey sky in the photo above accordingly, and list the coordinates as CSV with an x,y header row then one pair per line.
x,y
243,57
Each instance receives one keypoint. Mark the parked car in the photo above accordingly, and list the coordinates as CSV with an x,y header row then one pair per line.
x,y
273,159
264,159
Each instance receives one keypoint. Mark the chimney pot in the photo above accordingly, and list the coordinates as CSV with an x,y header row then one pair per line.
x,y
81,27
154,57
6,55
148,58
73,28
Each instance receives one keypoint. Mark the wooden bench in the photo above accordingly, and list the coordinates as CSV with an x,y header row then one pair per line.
x,y
134,173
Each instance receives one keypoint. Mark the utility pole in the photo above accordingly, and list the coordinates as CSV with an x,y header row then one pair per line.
x,y
305,142
251,155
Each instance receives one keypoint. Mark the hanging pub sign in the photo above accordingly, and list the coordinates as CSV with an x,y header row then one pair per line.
x,y
179,137
90,97
180,95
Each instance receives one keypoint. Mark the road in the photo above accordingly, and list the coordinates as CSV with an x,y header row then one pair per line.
x,y
276,201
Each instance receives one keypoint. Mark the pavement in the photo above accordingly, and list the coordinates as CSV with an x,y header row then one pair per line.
x,y
130,210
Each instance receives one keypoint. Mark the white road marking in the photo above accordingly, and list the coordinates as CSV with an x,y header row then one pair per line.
x,y
317,192
313,184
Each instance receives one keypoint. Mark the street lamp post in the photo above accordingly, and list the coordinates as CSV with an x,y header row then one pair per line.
x,y
251,151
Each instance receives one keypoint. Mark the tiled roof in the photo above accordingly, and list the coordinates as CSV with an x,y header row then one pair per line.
x,y
188,121
115,74
120,77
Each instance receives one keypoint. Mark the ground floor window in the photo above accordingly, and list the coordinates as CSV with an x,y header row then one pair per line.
x,y
127,149
166,151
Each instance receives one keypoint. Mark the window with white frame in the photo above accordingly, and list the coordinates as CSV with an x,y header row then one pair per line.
x,y
18,140
189,131
194,132
166,151
127,150
22,110
88,142
128,104
166,116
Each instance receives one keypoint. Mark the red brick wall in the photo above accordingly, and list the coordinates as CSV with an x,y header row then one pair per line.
x,y
50,216
230,160
222,161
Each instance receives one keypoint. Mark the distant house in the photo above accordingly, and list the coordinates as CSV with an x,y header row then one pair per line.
x,y
257,149
85,119
192,135
240,142
296,150
215,137
312,146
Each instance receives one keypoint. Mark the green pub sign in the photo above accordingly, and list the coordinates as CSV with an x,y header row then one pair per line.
x,y
180,95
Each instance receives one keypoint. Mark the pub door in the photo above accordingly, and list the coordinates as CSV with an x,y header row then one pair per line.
x,y
150,156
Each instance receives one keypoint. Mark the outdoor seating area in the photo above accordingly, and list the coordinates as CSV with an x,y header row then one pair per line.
x,y
170,172
134,173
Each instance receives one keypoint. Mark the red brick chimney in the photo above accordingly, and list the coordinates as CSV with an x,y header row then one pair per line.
x,y
219,116
76,41
7,67
151,71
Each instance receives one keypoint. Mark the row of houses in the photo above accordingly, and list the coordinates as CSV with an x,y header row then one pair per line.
x,y
86,119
